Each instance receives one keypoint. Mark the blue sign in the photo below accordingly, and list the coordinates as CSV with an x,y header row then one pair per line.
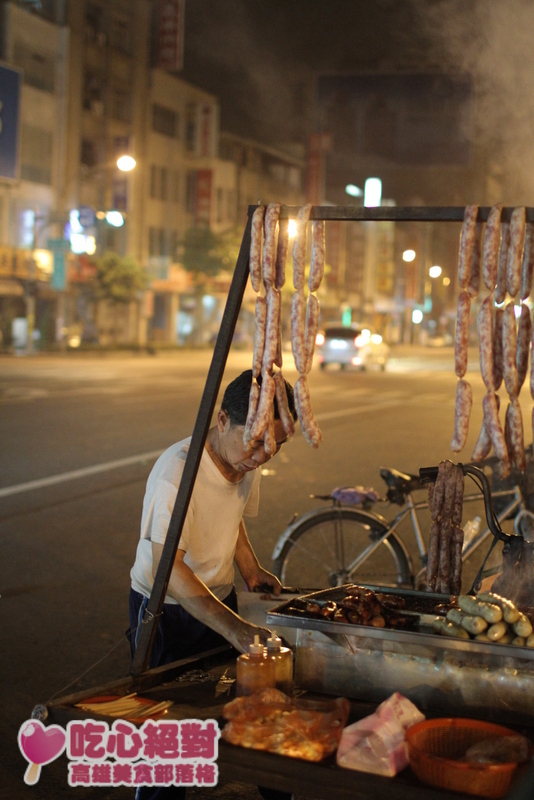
x,y
86,216
59,248
10,80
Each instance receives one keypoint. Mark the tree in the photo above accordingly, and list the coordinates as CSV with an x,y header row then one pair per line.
x,y
200,253
118,279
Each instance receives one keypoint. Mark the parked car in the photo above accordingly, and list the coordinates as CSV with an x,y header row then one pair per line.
x,y
351,346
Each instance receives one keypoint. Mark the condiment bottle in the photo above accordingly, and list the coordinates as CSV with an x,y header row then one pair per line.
x,y
283,658
255,669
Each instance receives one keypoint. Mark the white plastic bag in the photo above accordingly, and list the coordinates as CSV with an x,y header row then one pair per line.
x,y
377,743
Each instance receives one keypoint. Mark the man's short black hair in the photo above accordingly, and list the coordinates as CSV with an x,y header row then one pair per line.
x,y
235,400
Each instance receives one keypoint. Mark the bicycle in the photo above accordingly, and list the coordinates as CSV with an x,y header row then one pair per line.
x,y
342,544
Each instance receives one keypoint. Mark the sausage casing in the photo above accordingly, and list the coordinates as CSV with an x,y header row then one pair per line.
x,y
485,339
515,251
281,252
312,323
490,252
500,290
283,405
253,400
462,334
264,407
528,262
269,244
317,255
498,318
514,434
493,425
433,557
474,278
524,333
467,244
259,335
299,248
298,330
256,235
509,351
483,444
269,438
308,423
464,401
279,358
271,329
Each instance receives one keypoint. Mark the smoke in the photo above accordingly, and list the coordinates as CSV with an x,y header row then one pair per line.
x,y
493,42
264,91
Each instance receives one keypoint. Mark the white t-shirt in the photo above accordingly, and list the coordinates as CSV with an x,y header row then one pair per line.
x,y
209,535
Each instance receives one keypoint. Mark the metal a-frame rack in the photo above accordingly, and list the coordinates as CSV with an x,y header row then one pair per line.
x,y
216,370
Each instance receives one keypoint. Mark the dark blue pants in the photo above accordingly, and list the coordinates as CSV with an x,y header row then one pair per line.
x,y
179,635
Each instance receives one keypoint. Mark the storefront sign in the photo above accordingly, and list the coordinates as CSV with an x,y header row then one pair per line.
x,y
203,198
171,34
59,248
10,80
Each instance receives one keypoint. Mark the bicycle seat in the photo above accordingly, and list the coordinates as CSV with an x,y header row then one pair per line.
x,y
399,484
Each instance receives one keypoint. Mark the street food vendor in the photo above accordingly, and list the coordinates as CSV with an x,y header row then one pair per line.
x,y
200,608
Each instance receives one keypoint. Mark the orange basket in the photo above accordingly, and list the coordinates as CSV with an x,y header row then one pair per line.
x,y
436,746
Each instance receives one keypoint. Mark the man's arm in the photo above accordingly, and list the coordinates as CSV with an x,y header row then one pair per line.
x,y
249,566
196,598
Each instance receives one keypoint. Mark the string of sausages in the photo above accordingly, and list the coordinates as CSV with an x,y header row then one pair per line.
x,y
267,270
445,500
305,317
505,261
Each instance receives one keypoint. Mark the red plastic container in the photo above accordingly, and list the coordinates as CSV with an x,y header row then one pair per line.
x,y
436,746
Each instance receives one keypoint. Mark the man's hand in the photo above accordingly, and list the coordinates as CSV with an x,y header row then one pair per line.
x,y
243,634
260,577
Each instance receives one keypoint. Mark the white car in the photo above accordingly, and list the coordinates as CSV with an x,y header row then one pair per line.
x,y
351,346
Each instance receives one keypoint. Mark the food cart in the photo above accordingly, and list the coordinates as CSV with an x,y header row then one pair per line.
x,y
328,658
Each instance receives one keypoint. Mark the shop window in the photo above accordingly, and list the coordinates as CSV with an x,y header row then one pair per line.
x,y
121,105
89,153
219,202
165,121
39,68
93,93
159,182
36,155
175,186
94,24
120,34
191,128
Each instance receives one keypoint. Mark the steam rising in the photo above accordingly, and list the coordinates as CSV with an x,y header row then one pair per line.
x,y
493,42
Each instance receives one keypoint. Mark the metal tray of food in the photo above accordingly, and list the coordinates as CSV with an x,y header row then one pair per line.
x,y
421,604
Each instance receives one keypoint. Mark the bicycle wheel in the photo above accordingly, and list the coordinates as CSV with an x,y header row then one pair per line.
x,y
323,545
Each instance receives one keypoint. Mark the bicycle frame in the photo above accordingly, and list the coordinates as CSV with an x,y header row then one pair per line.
x,y
412,508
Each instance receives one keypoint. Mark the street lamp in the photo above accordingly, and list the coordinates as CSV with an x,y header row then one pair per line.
x,y
352,190
292,228
126,163
372,192
408,255
434,272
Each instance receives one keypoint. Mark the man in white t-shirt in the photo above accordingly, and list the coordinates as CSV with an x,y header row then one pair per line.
x,y
200,608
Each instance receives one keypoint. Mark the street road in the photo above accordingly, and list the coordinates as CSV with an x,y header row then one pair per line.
x,y
79,436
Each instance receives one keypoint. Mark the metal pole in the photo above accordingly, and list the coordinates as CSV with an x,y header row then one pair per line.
x,y
207,405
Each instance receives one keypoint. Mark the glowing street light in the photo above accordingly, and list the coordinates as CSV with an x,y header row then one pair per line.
x,y
292,228
115,219
352,190
408,255
126,163
372,192
434,272
417,316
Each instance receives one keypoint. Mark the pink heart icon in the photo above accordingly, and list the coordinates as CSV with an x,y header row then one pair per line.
x,y
40,745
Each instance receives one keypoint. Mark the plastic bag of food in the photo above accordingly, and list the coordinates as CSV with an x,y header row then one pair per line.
x,y
377,743
503,750
270,720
